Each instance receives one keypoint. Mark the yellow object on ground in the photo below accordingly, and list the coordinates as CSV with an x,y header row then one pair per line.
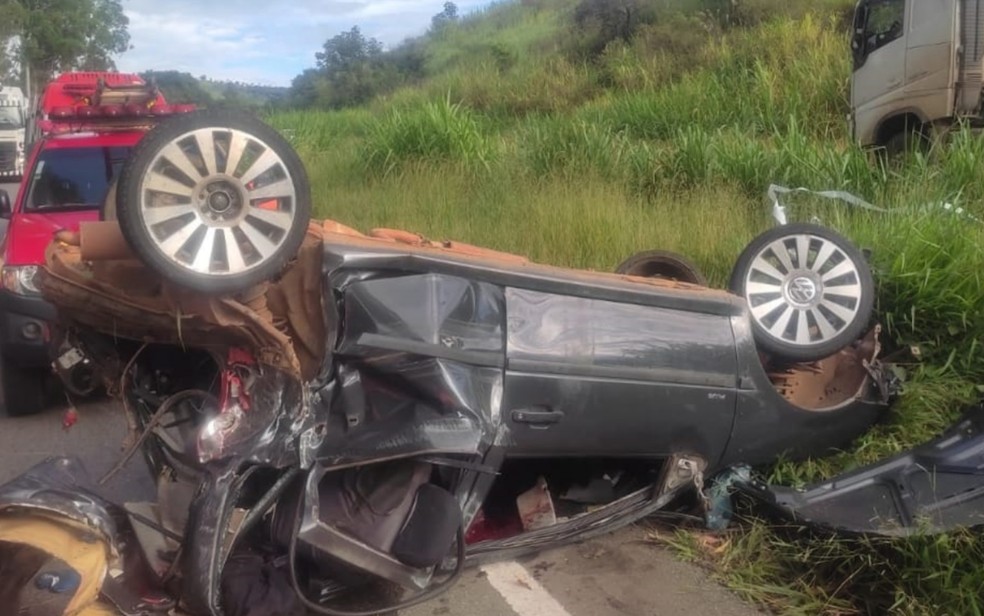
x,y
81,548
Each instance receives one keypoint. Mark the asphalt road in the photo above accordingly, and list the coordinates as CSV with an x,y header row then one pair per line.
x,y
11,190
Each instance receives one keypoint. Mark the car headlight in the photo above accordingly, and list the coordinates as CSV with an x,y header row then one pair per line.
x,y
20,279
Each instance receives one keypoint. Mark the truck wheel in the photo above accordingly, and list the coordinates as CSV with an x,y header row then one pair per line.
x,y
662,264
809,291
215,201
904,143
23,391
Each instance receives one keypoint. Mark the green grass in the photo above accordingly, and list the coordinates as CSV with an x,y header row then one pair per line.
x,y
669,141
433,131
791,572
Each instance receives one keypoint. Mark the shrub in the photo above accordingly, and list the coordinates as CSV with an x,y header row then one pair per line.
x,y
433,131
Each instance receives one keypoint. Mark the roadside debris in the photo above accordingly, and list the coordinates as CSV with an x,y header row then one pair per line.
x,y
535,507
775,194
934,488
70,418
723,487
58,542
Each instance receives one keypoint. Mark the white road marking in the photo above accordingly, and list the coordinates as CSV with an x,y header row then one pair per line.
x,y
521,591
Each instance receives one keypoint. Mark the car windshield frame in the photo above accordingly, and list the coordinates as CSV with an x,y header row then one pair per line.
x,y
66,179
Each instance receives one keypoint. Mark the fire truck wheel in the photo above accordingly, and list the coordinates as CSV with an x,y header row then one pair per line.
x,y
215,201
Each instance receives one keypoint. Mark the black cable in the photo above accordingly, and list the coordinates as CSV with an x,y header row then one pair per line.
x,y
131,417
263,505
165,407
170,534
423,597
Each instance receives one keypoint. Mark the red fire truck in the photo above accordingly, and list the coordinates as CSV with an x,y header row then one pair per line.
x,y
85,125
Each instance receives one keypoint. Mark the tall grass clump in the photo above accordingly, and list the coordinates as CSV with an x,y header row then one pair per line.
x,y
960,165
792,571
571,146
756,81
320,130
695,155
787,69
658,54
929,263
550,85
433,131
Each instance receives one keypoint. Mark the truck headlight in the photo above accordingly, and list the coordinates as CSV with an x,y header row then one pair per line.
x,y
20,279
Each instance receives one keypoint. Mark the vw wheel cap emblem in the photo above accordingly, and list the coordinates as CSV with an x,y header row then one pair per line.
x,y
802,290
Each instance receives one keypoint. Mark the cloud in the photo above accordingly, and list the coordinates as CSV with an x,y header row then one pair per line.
x,y
261,41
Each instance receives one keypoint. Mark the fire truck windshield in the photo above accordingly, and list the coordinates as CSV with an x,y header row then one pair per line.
x,y
73,178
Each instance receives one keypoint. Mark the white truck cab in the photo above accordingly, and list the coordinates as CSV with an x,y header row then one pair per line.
x,y
13,121
917,69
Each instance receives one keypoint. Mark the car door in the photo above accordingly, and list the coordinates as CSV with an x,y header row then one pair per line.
x,y
590,377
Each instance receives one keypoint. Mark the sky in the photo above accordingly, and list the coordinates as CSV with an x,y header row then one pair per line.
x,y
266,42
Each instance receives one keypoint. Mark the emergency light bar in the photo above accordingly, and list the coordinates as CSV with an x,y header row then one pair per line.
x,y
102,102
129,110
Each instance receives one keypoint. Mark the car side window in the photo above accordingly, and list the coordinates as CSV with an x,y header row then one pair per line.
x,y
886,19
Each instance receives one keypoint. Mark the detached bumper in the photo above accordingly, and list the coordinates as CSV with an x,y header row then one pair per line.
x,y
24,329
933,488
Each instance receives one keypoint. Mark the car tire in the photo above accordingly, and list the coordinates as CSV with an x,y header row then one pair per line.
x,y
662,264
804,307
203,221
23,391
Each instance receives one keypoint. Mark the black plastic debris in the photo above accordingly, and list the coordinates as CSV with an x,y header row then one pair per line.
x,y
933,488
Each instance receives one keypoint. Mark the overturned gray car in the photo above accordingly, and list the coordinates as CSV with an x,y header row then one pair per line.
x,y
359,411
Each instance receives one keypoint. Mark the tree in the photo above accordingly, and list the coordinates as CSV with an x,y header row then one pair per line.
x,y
232,95
307,88
347,50
408,60
352,67
180,87
61,35
448,16
8,67
600,22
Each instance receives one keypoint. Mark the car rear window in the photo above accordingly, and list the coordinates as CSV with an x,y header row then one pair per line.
x,y
73,178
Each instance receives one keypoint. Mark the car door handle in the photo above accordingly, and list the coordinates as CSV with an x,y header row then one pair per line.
x,y
537,415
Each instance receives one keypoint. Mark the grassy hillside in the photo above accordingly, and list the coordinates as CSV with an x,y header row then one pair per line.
x,y
535,131
186,88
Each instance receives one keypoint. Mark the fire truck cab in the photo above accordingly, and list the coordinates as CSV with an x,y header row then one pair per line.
x,y
84,126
